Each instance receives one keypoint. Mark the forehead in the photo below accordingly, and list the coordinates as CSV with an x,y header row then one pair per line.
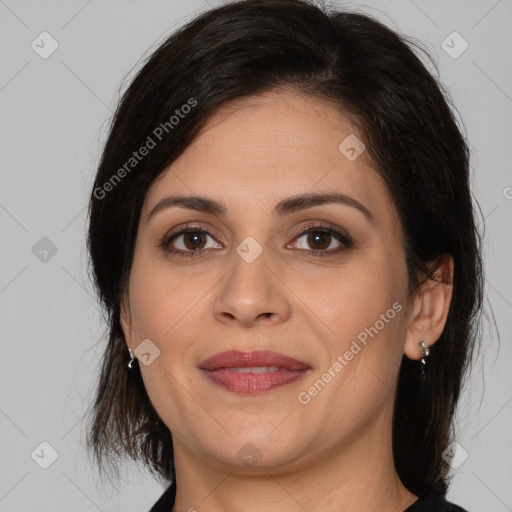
x,y
273,145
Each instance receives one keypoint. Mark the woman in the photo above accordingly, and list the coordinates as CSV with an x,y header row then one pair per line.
x,y
282,234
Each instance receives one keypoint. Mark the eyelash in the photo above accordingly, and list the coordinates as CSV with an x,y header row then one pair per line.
x,y
345,240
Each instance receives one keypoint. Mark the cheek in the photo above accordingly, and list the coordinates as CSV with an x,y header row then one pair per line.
x,y
162,299
355,296
364,307
368,322
167,309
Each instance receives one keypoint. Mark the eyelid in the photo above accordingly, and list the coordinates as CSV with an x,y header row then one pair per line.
x,y
326,226
181,230
187,227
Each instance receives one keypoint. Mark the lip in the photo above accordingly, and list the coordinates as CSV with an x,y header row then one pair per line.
x,y
244,359
281,370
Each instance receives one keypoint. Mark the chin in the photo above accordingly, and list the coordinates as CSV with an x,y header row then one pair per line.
x,y
255,449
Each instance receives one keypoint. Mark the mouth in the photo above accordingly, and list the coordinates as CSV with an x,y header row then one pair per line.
x,y
252,372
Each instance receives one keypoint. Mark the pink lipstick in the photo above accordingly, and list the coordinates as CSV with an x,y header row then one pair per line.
x,y
252,372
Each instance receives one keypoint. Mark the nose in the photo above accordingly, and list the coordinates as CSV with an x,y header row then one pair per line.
x,y
252,293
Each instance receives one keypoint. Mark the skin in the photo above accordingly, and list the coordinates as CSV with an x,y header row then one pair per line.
x,y
336,449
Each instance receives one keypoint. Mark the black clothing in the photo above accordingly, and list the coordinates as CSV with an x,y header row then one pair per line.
x,y
433,503
429,503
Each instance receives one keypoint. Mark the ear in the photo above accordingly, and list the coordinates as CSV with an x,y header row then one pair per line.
x,y
430,308
125,319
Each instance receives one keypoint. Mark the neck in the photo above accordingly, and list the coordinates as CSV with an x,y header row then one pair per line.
x,y
357,475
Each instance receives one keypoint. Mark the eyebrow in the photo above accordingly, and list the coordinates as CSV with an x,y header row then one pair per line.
x,y
284,207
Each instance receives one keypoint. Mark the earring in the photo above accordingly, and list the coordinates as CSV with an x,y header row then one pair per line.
x,y
132,358
425,351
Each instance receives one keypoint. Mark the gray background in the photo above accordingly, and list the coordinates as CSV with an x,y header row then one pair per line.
x,y
54,115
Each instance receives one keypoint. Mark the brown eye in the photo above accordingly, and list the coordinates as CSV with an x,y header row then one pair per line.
x,y
321,239
194,240
190,241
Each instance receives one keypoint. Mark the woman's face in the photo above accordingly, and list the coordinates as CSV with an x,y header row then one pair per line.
x,y
268,275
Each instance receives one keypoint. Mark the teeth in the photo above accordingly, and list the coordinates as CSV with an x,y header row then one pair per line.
x,y
255,369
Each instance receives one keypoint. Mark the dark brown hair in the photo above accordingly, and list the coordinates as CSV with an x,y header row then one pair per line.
x,y
408,125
